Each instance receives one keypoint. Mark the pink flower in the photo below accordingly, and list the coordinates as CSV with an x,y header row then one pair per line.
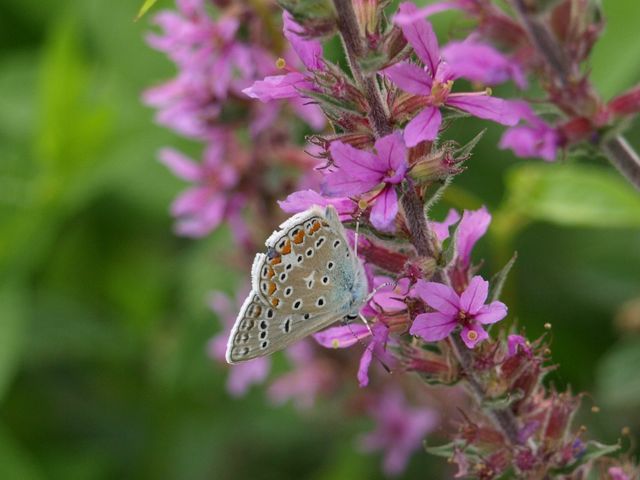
x,y
482,63
347,335
400,430
241,375
410,16
202,207
304,199
474,224
535,138
441,229
289,85
434,82
310,377
617,473
517,343
359,171
467,310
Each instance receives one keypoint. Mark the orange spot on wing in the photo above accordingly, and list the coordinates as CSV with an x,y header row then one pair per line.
x,y
299,237
276,260
271,272
272,288
315,226
287,248
275,302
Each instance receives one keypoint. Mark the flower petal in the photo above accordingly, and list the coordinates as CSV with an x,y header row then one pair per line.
x,y
433,326
304,199
487,107
358,171
473,225
392,151
439,296
473,335
410,78
384,211
474,295
422,38
492,313
423,126
441,229
418,14
181,165
309,51
278,86
343,336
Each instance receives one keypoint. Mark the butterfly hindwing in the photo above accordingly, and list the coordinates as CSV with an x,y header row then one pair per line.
x,y
308,279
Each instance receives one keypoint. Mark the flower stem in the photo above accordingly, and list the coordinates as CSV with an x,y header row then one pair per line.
x,y
616,149
504,419
623,157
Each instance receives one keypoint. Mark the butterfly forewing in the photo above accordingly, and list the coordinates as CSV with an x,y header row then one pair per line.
x,y
307,280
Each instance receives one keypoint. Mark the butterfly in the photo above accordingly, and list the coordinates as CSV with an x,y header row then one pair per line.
x,y
308,279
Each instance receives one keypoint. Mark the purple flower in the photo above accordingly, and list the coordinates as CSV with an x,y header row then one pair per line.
x,y
441,229
359,171
202,207
535,138
304,199
310,377
434,83
389,296
347,335
277,87
516,343
482,63
467,310
241,375
400,430
617,473
414,15
474,224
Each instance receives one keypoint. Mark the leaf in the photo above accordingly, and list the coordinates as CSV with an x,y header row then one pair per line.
x,y
498,280
447,450
593,450
146,6
617,376
466,150
571,195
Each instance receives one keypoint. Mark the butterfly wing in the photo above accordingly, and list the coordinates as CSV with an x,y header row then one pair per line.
x,y
308,279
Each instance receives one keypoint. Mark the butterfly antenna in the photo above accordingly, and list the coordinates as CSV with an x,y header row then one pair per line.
x,y
355,250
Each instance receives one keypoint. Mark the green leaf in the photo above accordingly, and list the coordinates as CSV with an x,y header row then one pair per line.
x,y
617,376
447,450
498,280
146,6
592,451
571,195
12,331
466,150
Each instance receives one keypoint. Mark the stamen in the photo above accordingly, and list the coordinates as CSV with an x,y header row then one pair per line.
x,y
281,63
472,335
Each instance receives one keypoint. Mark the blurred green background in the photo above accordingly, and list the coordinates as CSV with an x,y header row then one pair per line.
x,y
103,321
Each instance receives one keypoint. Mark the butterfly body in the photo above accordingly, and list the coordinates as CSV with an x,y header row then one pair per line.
x,y
308,279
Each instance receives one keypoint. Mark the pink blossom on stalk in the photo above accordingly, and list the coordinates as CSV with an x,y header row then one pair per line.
x,y
482,63
310,377
534,138
277,87
408,17
434,83
202,207
242,375
472,227
441,229
400,430
517,343
360,171
304,199
467,311
617,473
348,335
389,296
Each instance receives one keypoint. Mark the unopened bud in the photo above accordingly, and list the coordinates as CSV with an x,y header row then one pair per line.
x,y
547,326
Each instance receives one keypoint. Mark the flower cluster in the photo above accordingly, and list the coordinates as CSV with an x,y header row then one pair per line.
x,y
430,311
